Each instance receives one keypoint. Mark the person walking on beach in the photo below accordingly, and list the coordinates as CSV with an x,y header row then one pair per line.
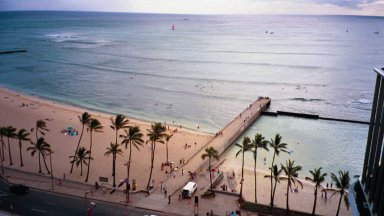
x,y
169,199
165,193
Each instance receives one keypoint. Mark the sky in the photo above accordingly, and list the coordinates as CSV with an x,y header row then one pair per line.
x,y
328,7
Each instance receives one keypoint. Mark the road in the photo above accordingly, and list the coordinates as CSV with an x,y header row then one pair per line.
x,y
38,203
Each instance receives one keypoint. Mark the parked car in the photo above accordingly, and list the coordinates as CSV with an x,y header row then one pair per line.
x,y
18,189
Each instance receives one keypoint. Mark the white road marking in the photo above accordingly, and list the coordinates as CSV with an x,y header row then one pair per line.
x,y
41,211
50,203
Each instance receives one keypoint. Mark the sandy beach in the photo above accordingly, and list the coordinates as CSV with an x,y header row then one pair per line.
x,y
22,111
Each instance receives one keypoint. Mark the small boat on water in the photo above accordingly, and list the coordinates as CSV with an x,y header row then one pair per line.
x,y
376,32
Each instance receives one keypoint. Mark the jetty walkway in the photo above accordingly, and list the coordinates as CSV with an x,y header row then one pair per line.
x,y
221,141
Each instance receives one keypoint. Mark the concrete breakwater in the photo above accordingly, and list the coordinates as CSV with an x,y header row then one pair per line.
x,y
221,141
310,116
13,51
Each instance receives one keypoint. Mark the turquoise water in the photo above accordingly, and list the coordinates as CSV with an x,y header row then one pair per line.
x,y
311,143
206,71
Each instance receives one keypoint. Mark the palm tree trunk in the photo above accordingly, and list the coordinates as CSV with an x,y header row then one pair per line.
x,y
81,168
21,155
241,181
254,172
273,195
45,164
273,161
288,186
314,204
9,151
128,169
90,156
2,149
152,160
113,168
116,136
39,164
167,150
113,171
338,208
77,148
210,174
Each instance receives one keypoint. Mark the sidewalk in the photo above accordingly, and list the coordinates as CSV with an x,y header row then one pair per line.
x,y
156,201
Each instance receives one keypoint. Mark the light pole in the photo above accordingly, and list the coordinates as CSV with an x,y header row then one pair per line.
x,y
85,197
127,183
50,160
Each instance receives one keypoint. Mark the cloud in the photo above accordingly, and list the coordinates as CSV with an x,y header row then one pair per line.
x,y
353,4
85,5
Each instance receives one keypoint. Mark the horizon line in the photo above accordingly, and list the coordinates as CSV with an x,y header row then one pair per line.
x,y
194,14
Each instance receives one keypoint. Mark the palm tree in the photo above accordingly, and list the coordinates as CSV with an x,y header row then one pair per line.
x,y
292,172
258,142
41,126
2,134
276,176
245,147
155,134
210,153
133,137
114,150
22,135
10,132
317,178
84,119
94,126
81,158
120,122
167,138
277,147
42,148
342,185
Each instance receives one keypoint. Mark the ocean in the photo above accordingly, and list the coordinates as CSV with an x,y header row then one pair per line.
x,y
205,71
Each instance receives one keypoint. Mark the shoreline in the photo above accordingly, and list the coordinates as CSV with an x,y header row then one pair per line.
x,y
78,108
22,111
